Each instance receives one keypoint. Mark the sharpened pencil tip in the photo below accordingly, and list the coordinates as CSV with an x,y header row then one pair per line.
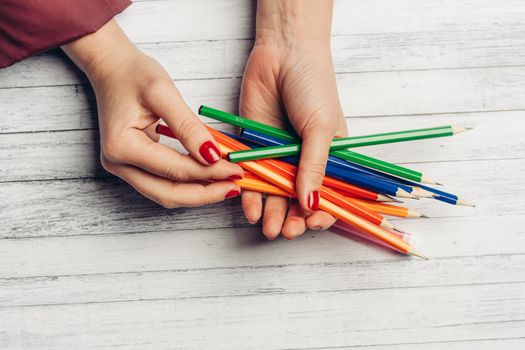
x,y
419,255
459,129
465,203
385,198
426,180
419,192
425,216
404,194
398,230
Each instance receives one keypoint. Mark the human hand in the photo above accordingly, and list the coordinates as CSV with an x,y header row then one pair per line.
x,y
133,92
290,73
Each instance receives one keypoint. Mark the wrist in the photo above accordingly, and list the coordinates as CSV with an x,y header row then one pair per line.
x,y
101,53
294,23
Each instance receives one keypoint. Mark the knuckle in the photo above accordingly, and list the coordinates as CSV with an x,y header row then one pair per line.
x,y
175,173
106,164
156,87
113,151
188,127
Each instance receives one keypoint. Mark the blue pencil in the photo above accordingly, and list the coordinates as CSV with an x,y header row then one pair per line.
x,y
360,179
443,196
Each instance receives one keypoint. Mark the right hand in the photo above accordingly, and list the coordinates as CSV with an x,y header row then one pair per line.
x,y
133,92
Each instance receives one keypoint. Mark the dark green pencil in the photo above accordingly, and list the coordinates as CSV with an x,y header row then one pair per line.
x,y
294,149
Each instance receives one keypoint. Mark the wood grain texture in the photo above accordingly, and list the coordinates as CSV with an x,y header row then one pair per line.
x,y
87,262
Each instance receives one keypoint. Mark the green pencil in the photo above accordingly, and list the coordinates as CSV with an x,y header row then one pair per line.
x,y
351,156
294,149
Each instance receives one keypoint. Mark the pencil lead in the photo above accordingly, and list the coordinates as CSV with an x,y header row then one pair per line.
x,y
398,230
439,184
425,216
419,255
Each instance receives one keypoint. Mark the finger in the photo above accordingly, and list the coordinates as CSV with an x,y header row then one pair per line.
x,y
252,206
316,140
294,224
275,208
166,162
165,101
320,220
171,194
150,131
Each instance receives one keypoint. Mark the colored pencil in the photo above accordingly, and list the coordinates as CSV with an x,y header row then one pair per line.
x,y
259,169
248,183
334,166
289,137
294,149
289,172
349,189
255,183
341,226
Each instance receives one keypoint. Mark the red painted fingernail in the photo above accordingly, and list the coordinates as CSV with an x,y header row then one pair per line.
x,y
210,152
232,193
313,200
235,177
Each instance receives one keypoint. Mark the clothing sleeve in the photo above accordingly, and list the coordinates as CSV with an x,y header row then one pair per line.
x,y
28,27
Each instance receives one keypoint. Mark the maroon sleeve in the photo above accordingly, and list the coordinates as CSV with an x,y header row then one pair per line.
x,y
31,26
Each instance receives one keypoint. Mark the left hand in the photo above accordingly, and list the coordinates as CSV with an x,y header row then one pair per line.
x,y
297,81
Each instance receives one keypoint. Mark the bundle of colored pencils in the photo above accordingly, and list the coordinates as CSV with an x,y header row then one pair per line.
x,y
356,187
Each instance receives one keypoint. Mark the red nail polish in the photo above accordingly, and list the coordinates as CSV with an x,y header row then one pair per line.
x,y
210,152
313,200
235,177
232,193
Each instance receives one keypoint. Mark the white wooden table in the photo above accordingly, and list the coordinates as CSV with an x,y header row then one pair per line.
x,y
85,262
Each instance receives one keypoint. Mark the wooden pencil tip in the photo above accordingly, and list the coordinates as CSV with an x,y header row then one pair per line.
x,y
426,180
404,194
459,129
419,255
419,192
385,198
465,203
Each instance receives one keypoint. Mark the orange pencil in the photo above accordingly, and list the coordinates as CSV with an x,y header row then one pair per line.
x,y
349,189
288,171
259,169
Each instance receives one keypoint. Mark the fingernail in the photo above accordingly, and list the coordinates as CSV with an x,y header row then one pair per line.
x,y
210,152
232,193
235,177
313,200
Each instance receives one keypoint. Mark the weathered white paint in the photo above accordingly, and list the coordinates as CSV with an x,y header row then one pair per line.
x,y
86,262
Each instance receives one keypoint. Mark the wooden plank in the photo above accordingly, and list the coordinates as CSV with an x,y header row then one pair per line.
x,y
208,248
356,53
162,21
91,206
363,94
263,280
73,154
333,319
489,344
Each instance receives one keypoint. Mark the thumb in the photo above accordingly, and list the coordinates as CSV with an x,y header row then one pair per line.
x,y
168,104
314,154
